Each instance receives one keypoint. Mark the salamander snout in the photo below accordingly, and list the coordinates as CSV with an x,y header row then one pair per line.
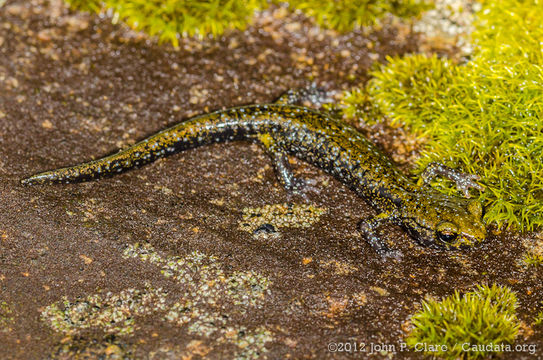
x,y
461,227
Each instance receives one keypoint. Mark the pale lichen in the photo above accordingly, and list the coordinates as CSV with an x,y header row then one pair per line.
x,y
210,299
280,216
6,317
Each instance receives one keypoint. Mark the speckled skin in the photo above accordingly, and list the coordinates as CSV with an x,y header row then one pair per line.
x,y
432,218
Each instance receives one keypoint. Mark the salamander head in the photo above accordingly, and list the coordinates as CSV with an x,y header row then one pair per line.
x,y
446,222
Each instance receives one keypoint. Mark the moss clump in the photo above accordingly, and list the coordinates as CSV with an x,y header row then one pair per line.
x,y
357,104
481,317
347,15
169,19
533,256
413,90
539,319
483,117
531,259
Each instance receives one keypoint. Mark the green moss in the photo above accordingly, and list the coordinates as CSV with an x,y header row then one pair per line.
x,y
533,255
532,259
413,90
357,104
169,19
484,316
538,319
347,15
483,117
86,5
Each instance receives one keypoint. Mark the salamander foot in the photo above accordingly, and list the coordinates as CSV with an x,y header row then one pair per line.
x,y
312,95
463,181
368,228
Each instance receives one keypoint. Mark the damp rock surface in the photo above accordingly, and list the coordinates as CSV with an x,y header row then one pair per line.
x,y
202,254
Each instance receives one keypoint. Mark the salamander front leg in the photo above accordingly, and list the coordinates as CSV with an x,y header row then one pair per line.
x,y
280,162
313,95
369,227
463,181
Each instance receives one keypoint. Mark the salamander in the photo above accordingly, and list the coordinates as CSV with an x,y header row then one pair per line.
x,y
283,128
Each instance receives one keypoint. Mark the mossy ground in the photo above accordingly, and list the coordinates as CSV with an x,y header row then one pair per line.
x,y
484,316
171,19
533,254
348,15
538,321
483,116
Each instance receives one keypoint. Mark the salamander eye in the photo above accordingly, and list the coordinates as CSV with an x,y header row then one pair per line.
x,y
447,237
447,232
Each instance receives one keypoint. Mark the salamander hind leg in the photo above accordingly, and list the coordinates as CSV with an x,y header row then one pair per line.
x,y
311,95
463,181
369,228
280,162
